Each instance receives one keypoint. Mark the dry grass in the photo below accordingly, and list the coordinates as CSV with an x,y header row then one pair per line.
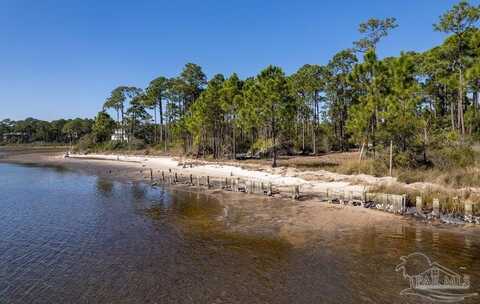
x,y
454,178
450,201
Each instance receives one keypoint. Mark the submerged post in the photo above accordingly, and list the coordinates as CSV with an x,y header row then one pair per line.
x,y
151,174
208,182
163,176
191,179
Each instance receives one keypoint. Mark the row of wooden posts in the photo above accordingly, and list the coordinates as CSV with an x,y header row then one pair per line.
x,y
234,184
468,206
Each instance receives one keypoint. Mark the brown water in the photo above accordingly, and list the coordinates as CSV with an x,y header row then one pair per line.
x,y
72,238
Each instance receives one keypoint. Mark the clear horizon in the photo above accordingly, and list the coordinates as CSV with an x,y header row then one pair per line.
x,y
62,60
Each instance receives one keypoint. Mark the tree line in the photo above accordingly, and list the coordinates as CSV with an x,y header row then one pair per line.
x,y
418,102
31,130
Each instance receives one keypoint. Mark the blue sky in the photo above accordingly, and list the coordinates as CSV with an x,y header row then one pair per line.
x,y
61,58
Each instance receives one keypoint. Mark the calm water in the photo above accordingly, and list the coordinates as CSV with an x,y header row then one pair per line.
x,y
72,238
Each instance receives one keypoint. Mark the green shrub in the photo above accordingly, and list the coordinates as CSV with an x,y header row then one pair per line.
x,y
85,143
136,143
460,156
403,160
114,145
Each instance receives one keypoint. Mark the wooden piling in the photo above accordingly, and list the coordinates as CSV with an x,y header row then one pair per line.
x,y
191,179
151,174
468,208
163,176
436,207
295,192
208,182
418,204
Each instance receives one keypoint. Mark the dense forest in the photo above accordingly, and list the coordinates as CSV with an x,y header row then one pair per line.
x,y
423,106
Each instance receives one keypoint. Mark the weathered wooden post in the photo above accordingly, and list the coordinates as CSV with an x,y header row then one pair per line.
x,y
175,178
163,176
270,189
191,179
468,209
226,183
404,204
418,204
208,182
151,174
251,188
436,207
295,192
198,181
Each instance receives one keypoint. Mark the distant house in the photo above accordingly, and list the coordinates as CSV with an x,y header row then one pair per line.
x,y
16,137
119,135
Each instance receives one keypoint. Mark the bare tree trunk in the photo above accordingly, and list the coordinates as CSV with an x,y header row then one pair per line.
x,y
391,157
461,123
155,136
303,135
361,151
160,112
452,115
234,143
274,134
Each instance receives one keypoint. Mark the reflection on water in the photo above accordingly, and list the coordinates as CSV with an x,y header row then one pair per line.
x,y
70,238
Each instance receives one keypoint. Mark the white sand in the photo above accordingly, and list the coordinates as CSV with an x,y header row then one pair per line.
x,y
284,178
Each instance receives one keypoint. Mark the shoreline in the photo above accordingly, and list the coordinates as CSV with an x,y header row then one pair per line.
x,y
292,219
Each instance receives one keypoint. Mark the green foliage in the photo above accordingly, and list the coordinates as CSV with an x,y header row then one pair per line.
x,y
374,30
459,19
262,146
103,127
86,143
448,157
